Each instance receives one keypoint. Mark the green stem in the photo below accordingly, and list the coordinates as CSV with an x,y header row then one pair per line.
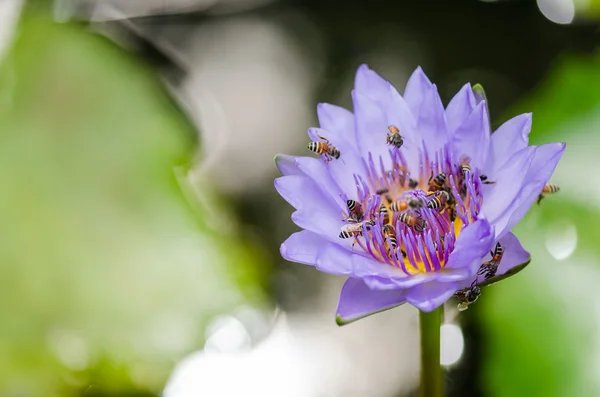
x,y
432,380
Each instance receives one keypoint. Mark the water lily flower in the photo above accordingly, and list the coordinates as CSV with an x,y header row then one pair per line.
x,y
407,198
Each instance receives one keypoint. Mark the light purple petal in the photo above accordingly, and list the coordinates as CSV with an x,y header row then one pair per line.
x,y
472,137
371,128
303,247
339,122
417,87
383,283
335,259
428,297
287,165
431,121
508,139
358,301
508,182
316,212
472,244
459,108
372,85
342,170
542,167
316,170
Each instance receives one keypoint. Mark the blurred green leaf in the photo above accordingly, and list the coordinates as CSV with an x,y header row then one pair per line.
x,y
108,273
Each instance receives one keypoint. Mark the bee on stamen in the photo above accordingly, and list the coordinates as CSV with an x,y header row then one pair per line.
x,y
467,296
464,165
415,203
325,149
489,268
393,137
414,221
355,209
399,206
384,192
437,183
439,200
413,183
355,229
384,214
549,188
389,232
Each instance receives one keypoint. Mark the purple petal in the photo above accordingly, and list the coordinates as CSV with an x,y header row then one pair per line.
x,y
316,170
472,138
459,108
542,167
369,83
363,266
316,212
335,259
428,297
432,120
387,283
399,114
342,170
303,247
417,87
508,139
287,165
508,182
472,244
371,128
358,301
339,123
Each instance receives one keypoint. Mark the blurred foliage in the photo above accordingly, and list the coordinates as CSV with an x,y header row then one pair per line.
x,y
104,261
540,327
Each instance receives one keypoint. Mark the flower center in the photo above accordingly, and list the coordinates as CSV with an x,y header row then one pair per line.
x,y
411,221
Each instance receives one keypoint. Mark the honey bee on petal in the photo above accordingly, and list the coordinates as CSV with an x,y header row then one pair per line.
x,y
414,221
355,209
437,183
393,137
467,296
384,192
389,233
325,149
489,268
549,188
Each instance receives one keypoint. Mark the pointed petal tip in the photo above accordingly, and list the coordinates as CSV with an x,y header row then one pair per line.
x,y
339,321
283,251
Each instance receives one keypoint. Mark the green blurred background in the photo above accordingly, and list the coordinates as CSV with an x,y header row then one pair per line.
x,y
140,224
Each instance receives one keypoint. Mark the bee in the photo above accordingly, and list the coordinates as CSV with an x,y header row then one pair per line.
x,y
450,204
355,209
355,229
484,179
325,149
437,183
384,192
490,267
389,232
399,206
549,188
383,213
415,221
413,183
416,203
467,296
439,200
464,165
393,137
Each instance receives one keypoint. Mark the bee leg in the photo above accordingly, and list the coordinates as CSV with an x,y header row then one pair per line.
x,y
323,138
539,199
